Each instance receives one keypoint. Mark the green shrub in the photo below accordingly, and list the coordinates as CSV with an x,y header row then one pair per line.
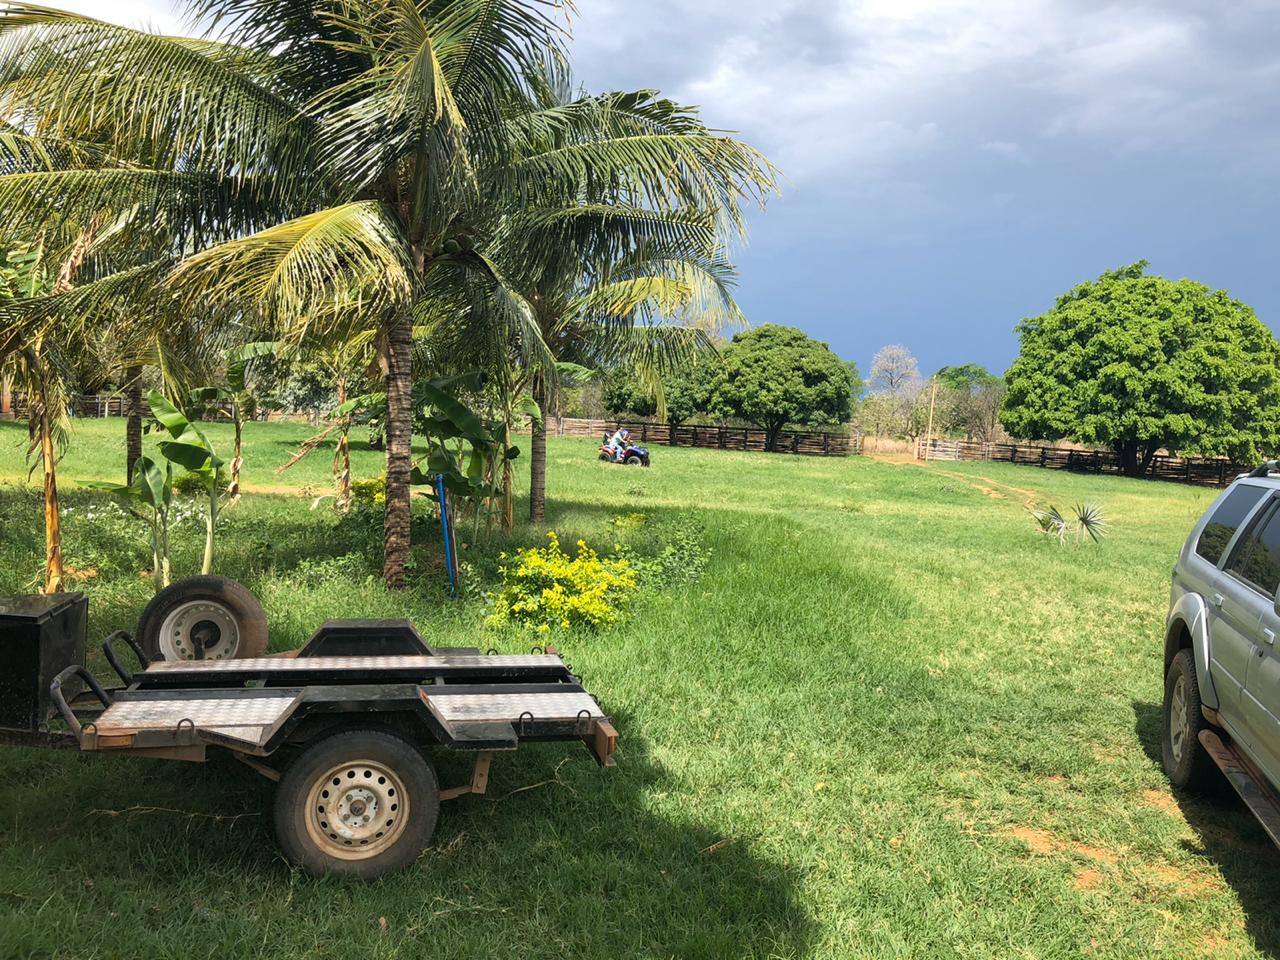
x,y
193,484
679,555
544,587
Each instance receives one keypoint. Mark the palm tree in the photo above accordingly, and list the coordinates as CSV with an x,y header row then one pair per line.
x,y
616,272
45,369
366,151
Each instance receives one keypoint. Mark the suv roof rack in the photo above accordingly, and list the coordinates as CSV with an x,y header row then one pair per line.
x,y
1265,469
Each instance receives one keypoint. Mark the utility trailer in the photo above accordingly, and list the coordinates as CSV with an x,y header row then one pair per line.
x,y
345,726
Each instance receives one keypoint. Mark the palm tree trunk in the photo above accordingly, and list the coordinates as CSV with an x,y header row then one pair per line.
x,y
538,455
237,461
133,425
6,397
395,524
52,515
342,459
508,496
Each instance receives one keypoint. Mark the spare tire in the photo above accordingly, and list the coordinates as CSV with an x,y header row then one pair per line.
x,y
203,618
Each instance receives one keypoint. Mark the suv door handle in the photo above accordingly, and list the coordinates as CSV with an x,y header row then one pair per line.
x,y
1270,637
1216,599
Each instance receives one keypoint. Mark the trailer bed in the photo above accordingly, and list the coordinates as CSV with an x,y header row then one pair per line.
x,y
461,700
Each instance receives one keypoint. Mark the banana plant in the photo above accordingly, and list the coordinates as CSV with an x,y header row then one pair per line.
x,y
190,449
340,421
483,445
240,398
148,496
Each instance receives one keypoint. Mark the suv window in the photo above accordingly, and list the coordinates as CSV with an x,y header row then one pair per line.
x,y
1257,559
1226,520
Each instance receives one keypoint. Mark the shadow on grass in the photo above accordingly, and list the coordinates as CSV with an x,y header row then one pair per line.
x,y
559,859
1229,836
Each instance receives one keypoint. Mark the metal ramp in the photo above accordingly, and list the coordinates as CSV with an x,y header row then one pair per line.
x,y
346,669
244,719
499,720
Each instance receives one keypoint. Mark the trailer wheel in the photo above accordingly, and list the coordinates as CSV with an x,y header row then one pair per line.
x,y
1183,757
358,804
209,618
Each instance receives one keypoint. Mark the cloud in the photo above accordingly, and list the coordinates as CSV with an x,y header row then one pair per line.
x,y
866,86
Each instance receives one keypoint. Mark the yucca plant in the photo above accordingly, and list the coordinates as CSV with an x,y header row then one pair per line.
x,y
1087,519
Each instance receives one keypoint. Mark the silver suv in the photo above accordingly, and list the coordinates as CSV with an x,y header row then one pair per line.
x,y
1221,663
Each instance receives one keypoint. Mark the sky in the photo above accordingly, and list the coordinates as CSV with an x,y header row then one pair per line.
x,y
953,165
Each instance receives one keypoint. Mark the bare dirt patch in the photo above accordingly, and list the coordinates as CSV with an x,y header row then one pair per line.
x,y
1162,801
1087,878
1037,841
1210,944
1181,881
1097,854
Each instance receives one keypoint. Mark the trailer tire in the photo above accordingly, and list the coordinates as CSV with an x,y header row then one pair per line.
x,y
359,804
226,613
1183,757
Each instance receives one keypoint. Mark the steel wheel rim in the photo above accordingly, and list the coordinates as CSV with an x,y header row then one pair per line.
x,y
176,640
1179,721
357,810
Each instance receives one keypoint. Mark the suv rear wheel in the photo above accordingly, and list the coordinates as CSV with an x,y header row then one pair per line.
x,y
1184,758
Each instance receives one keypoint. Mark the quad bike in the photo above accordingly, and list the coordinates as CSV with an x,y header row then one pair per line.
x,y
632,456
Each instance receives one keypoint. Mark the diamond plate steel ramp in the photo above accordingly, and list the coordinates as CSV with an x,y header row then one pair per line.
x,y
247,720
511,706
278,665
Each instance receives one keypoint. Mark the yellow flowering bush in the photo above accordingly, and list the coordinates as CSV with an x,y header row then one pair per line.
x,y
545,588
371,492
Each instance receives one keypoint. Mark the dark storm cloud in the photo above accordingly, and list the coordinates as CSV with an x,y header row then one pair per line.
x,y
955,164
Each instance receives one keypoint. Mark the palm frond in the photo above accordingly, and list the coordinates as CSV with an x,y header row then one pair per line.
x,y
153,99
323,264
1091,520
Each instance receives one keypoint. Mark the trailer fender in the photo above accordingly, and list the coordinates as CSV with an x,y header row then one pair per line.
x,y
1188,626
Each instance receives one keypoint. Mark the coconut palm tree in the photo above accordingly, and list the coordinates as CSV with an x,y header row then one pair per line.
x,y
616,272
365,152
46,369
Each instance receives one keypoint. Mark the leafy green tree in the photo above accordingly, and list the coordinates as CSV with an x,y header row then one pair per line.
x,y
685,388
965,376
857,385
774,375
1138,362
969,400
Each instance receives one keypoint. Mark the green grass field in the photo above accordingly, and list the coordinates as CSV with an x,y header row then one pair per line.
x,y
889,721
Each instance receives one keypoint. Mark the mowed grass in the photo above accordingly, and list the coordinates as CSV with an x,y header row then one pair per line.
x,y
889,721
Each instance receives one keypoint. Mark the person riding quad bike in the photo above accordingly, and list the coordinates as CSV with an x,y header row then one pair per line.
x,y
618,444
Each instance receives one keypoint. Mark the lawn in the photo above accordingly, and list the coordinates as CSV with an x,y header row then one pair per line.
x,y
889,720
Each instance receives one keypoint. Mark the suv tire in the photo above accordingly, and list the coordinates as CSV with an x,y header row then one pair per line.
x,y
1184,759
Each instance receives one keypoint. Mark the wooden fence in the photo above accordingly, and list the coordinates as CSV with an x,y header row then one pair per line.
x,y
803,442
1207,470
